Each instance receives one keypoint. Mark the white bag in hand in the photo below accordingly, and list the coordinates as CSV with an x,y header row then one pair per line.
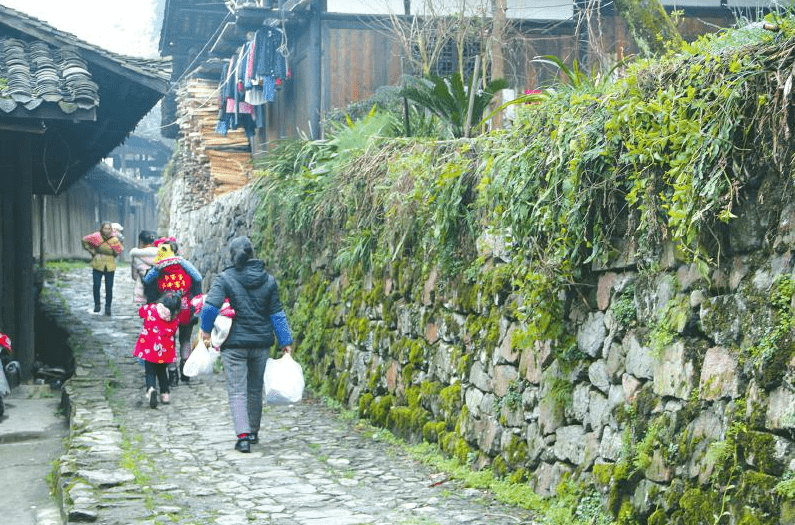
x,y
284,381
201,361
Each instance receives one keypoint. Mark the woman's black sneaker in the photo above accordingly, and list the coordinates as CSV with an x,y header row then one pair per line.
x,y
243,445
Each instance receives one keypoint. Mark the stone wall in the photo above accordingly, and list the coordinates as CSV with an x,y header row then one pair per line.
x,y
203,234
679,384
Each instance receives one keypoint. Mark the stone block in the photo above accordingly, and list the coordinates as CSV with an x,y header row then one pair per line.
x,y
487,407
550,414
432,333
442,365
639,360
611,445
604,288
748,231
514,416
506,350
534,360
653,296
598,376
780,409
599,412
658,471
429,288
535,442
707,425
687,275
495,244
503,376
480,377
591,334
547,477
615,362
631,385
473,397
580,402
392,376
723,329
451,327
719,377
570,444
674,374
489,433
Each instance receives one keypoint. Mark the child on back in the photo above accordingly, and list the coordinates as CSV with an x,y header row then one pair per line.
x,y
156,346
142,259
173,273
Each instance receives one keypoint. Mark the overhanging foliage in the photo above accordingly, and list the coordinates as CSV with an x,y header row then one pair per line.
x,y
663,153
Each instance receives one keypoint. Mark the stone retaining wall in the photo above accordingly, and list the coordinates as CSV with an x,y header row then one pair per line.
x,y
204,233
676,377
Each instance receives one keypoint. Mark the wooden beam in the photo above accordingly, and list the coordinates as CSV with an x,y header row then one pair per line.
x,y
8,307
23,126
24,346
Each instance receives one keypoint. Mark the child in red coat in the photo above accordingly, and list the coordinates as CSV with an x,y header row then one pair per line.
x,y
155,345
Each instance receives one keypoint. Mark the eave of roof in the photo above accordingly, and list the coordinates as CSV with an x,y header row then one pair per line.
x,y
65,146
154,73
114,183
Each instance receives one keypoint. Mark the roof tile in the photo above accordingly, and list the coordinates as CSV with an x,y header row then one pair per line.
x,y
32,74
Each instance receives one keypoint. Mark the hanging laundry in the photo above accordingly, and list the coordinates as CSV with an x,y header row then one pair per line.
x,y
250,80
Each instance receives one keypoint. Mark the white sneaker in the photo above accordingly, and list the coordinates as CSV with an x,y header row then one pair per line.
x,y
164,398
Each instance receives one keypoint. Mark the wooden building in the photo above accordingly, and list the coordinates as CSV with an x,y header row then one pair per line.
x,y
60,221
64,106
142,158
343,51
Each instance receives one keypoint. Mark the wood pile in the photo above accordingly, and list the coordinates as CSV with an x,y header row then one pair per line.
x,y
211,163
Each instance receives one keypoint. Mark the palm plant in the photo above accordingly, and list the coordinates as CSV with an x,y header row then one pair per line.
x,y
449,99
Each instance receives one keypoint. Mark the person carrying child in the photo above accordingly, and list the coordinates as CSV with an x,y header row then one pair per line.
x,y
172,273
104,246
142,259
156,345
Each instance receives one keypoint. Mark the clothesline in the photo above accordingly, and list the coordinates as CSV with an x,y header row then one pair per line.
x,y
250,80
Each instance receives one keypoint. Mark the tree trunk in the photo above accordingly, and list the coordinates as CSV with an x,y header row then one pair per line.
x,y
497,58
650,26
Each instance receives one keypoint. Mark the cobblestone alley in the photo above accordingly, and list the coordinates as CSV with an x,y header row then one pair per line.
x,y
126,463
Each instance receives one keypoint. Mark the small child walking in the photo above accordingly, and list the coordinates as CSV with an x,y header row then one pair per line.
x,y
156,346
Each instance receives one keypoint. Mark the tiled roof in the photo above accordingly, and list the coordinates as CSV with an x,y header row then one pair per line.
x,y
32,74
69,102
15,25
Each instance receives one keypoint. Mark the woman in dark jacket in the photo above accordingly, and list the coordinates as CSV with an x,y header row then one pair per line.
x,y
259,321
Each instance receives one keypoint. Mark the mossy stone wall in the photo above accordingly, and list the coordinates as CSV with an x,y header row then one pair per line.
x,y
676,399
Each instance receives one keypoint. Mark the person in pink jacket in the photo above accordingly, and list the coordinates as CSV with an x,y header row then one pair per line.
x,y
155,344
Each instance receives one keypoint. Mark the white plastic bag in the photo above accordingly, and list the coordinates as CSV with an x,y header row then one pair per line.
x,y
200,361
284,381
220,330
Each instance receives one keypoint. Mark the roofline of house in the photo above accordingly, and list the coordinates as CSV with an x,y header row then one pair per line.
x,y
152,73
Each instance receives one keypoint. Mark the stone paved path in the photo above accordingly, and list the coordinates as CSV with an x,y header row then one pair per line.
x,y
129,464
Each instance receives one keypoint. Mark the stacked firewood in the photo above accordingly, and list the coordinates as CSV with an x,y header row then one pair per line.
x,y
212,164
